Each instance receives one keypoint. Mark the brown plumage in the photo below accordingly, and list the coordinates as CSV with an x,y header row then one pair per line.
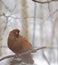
x,y
19,44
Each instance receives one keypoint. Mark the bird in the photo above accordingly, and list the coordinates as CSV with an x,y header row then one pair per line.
x,y
19,44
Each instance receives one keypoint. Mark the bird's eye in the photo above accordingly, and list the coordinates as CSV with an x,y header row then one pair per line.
x,y
17,33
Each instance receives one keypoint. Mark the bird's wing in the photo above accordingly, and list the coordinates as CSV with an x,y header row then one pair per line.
x,y
27,59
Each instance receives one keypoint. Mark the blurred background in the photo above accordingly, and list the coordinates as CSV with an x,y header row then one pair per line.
x,y
37,21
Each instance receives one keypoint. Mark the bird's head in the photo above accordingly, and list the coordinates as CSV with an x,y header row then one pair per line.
x,y
15,32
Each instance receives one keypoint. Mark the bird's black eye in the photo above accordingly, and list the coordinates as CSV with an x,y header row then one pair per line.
x,y
17,31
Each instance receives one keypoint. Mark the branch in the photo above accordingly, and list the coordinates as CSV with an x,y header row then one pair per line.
x,y
9,56
30,51
45,2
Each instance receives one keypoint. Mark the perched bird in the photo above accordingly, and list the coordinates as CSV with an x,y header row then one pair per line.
x,y
19,44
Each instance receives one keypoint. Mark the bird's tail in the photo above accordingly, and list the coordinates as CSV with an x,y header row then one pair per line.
x,y
27,58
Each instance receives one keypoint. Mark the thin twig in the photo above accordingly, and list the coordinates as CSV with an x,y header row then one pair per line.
x,y
9,56
8,7
45,2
